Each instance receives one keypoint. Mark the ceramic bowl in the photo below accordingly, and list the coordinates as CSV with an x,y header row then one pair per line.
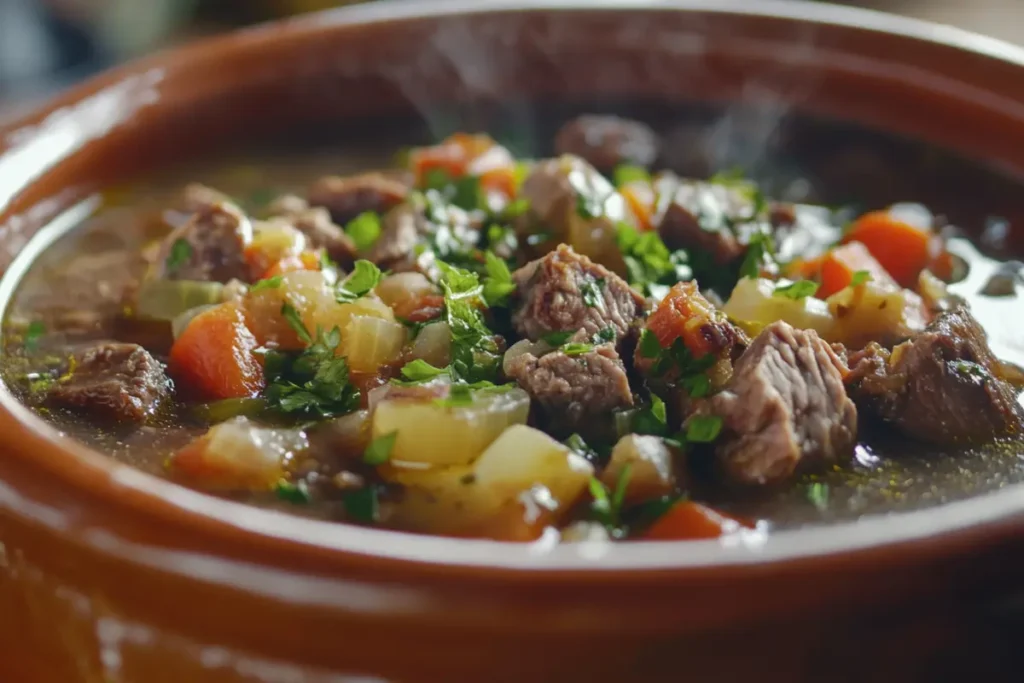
x,y
107,574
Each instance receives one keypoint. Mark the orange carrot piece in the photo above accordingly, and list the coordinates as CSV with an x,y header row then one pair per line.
x,y
904,250
420,309
453,155
213,358
640,200
684,313
839,265
500,180
307,260
687,521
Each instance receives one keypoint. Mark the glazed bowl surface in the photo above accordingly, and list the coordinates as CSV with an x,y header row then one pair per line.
x,y
108,574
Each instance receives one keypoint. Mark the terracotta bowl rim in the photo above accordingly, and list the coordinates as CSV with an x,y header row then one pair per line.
x,y
938,529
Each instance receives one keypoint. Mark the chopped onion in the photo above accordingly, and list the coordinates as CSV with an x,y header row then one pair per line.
x,y
167,299
369,342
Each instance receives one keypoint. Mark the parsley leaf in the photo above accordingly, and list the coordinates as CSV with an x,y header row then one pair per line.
x,y
653,419
557,338
590,289
420,370
606,507
760,250
860,277
474,352
180,254
624,174
294,320
576,349
33,334
361,281
817,493
703,428
650,347
463,192
801,289
362,505
697,386
498,284
297,493
649,263
364,229
379,450
267,283
313,382
604,335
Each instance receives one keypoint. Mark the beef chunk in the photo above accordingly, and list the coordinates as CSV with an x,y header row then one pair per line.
x,y
573,390
113,381
784,409
943,386
607,141
323,233
567,292
712,217
401,229
210,247
346,198
198,197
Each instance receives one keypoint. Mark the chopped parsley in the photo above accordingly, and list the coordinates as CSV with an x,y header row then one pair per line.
x,y
817,494
760,251
703,428
362,505
591,290
360,282
860,277
297,493
652,419
649,263
180,254
801,289
650,347
364,229
557,338
463,192
964,367
677,356
379,450
606,506
697,386
604,335
475,355
267,283
624,174
580,447
421,371
498,284
577,349
313,382
35,331
735,180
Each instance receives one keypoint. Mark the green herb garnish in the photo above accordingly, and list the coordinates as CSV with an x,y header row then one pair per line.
x,y
860,277
379,450
421,371
652,419
313,382
649,263
697,386
498,284
557,338
606,507
576,349
760,251
703,428
294,320
591,290
297,493
624,174
474,352
267,283
360,282
817,494
650,347
604,335
362,505
35,331
463,192
801,289
364,230
180,254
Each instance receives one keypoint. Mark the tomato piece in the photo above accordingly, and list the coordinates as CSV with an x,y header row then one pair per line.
x,y
684,313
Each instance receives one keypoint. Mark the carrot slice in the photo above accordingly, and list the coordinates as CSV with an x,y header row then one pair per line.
x,y
686,521
904,250
684,313
213,358
839,265
640,200
453,156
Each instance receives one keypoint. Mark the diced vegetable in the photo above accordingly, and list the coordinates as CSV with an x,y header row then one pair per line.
x,y
874,311
345,435
369,342
686,521
341,315
524,482
902,248
683,314
433,344
652,472
160,299
753,305
399,289
306,291
182,321
434,432
839,266
271,243
214,357
458,155
306,260
238,455
639,199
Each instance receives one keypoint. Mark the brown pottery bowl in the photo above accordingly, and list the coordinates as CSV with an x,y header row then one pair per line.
x,y
111,575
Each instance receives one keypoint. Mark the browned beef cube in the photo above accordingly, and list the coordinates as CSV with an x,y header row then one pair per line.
x,y
567,292
607,141
323,233
401,229
210,247
784,409
574,392
943,386
346,198
113,381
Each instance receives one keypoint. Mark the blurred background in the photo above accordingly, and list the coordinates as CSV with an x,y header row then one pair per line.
x,y
46,45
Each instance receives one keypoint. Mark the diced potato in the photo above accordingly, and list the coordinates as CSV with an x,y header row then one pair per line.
x,y
338,315
271,242
401,288
433,344
433,433
305,290
239,455
524,482
652,469
369,342
874,312
753,305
